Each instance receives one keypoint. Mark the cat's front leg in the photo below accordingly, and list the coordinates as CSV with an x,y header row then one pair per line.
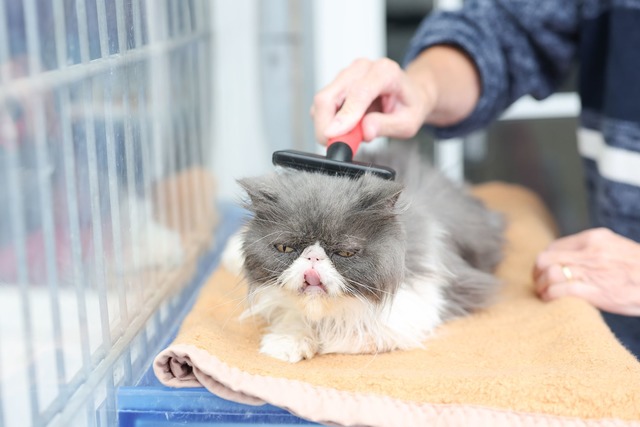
x,y
290,348
290,338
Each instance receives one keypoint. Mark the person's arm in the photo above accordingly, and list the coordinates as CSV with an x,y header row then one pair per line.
x,y
440,87
451,79
517,47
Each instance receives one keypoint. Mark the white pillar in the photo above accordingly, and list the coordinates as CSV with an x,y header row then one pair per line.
x,y
239,146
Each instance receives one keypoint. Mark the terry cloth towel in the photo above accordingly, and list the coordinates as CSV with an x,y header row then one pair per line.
x,y
521,361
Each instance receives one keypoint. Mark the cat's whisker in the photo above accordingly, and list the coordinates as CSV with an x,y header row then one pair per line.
x,y
239,282
240,302
375,290
356,239
264,237
365,302
371,359
229,301
267,221
275,272
247,299
360,298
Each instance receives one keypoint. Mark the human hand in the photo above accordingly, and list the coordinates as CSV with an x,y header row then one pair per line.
x,y
597,265
378,92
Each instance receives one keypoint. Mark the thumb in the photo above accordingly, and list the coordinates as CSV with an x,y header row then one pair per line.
x,y
395,125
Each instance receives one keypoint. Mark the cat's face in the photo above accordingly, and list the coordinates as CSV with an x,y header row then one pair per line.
x,y
322,237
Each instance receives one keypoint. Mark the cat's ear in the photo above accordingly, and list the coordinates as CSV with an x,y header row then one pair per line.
x,y
383,196
389,200
259,191
393,199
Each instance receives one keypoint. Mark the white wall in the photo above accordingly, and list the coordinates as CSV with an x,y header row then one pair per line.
x,y
346,30
239,147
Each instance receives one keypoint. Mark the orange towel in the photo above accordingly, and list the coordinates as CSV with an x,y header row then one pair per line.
x,y
519,361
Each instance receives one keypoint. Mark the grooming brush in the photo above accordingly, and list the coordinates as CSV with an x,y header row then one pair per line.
x,y
338,161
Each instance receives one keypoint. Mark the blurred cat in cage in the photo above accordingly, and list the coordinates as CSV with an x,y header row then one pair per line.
x,y
71,180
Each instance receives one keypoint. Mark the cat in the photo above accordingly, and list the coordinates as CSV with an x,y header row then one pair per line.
x,y
366,265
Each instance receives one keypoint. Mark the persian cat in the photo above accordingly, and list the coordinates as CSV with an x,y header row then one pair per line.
x,y
340,265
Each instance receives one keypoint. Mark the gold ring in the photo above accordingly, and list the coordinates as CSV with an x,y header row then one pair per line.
x,y
567,273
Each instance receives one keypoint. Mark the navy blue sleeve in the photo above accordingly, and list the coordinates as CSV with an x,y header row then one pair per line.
x,y
518,46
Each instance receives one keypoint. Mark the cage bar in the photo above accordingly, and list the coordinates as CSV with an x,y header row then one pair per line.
x,y
44,170
16,212
78,271
144,140
182,138
190,68
156,24
4,44
128,140
118,138
112,180
73,73
94,190
1,376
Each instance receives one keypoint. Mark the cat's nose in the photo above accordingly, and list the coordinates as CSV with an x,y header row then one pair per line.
x,y
314,253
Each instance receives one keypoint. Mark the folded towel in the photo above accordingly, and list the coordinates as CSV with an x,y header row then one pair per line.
x,y
519,361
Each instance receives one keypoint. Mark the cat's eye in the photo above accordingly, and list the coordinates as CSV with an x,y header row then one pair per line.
x,y
284,248
345,254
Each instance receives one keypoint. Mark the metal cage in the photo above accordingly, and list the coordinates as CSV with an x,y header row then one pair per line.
x,y
105,110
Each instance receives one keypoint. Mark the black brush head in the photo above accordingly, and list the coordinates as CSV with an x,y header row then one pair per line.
x,y
316,163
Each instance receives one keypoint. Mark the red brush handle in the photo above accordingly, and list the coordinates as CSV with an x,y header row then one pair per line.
x,y
353,138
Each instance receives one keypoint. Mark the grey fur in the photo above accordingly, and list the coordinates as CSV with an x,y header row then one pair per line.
x,y
386,222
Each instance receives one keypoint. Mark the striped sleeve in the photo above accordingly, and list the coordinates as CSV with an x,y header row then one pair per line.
x,y
518,46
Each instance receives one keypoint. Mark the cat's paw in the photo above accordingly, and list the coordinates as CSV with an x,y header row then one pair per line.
x,y
288,348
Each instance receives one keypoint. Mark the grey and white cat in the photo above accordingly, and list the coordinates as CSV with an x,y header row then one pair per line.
x,y
338,265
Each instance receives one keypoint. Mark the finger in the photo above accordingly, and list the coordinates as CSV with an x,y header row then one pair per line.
x,y
329,99
557,273
395,125
552,275
325,106
559,252
586,291
378,80
575,260
549,258
574,242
